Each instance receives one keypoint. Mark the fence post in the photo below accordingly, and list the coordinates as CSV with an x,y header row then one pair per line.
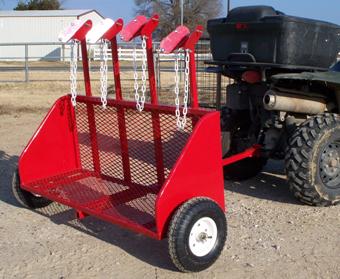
x,y
63,52
26,64
218,90
158,67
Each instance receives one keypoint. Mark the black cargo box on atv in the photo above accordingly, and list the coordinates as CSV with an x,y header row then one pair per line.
x,y
261,34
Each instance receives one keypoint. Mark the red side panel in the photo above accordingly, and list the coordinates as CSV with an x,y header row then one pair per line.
x,y
197,173
53,148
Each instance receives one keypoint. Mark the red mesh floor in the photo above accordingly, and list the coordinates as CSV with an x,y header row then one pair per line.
x,y
125,157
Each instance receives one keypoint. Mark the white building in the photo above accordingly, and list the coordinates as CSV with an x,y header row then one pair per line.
x,y
17,27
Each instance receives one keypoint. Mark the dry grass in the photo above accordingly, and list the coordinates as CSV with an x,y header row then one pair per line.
x,y
46,86
5,109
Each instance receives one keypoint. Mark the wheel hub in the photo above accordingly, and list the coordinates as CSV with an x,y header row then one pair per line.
x,y
330,165
203,236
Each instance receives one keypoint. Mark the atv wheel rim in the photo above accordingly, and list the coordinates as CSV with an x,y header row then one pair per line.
x,y
330,165
203,236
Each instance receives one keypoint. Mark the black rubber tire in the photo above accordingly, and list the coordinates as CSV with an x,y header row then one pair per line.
x,y
179,230
302,160
231,124
24,198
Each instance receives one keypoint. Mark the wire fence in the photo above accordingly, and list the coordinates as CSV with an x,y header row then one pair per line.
x,y
46,62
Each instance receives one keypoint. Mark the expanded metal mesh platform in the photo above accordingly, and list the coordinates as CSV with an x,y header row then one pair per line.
x,y
112,200
125,156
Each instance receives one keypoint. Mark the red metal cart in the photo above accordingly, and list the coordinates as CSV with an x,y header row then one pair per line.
x,y
134,168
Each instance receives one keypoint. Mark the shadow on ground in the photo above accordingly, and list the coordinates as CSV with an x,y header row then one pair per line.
x,y
146,249
266,185
8,165
271,185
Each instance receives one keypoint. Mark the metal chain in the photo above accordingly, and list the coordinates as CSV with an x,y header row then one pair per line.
x,y
140,106
140,100
103,71
73,71
178,113
181,121
135,74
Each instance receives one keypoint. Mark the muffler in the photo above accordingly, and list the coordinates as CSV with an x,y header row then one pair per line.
x,y
280,101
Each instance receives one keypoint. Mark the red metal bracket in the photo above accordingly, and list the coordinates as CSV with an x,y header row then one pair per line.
x,y
251,152
150,26
111,35
190,44
194,37
133,28
180,38
81,33
175,39
114,30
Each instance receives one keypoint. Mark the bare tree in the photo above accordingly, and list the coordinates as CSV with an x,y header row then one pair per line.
x,y
195,12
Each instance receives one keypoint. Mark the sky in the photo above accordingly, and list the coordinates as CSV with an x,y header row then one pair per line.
x,y
328,10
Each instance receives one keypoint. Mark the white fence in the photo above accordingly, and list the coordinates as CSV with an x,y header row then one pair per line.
x,y
26,58
127,54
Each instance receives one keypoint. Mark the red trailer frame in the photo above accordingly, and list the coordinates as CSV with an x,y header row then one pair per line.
x,y
127,167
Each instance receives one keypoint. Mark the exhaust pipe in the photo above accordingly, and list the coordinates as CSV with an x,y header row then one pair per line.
x,y
274,100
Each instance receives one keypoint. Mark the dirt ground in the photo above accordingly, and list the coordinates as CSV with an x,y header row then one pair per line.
x,y
270,234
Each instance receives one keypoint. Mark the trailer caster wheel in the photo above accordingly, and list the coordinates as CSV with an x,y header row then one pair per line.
x,y
197,234
24,198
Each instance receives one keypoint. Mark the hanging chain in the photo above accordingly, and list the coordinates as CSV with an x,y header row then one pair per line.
x,y
140,100
103,71
181,121
135,75
178,113
140,106
73,71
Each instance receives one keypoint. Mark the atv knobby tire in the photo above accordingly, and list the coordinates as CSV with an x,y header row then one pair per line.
x,y
313,161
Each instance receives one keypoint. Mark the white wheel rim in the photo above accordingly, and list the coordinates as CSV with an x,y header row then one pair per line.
x,y
203,236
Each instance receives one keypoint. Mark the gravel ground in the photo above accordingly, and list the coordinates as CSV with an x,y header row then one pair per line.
x,y
271,235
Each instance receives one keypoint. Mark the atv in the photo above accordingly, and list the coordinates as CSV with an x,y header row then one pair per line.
x,y
285,97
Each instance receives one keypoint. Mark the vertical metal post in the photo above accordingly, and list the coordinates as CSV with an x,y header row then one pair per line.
x,y
151,71
62,53
121,113
26,64
182,11
158,71
86,68
228,6
193,81
116,70
155,115
90,109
